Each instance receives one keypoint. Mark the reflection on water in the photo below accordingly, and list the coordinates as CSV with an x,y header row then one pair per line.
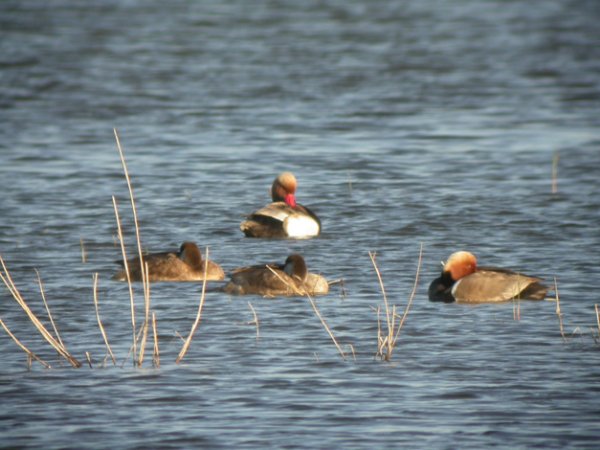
x,y
404,123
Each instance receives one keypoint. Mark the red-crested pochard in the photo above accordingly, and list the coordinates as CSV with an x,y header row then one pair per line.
x,y
185,265
463,281
284,217
279,281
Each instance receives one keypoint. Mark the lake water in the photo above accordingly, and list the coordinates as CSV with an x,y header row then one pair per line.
x,y
405,123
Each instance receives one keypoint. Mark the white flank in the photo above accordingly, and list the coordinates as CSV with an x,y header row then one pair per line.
x,y
299,226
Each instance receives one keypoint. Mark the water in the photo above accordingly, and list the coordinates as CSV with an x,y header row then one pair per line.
x,y
404,122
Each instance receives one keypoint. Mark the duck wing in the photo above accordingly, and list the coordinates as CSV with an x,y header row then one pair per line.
x,y
492,286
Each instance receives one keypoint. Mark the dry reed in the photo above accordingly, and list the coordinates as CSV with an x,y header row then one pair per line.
x,y
314,307
41,328
147,315
352,348
390,340
30,354
128,275
99,321
573,334
48,309
562,331
597,341
517,309
188,341
82,250
155,353
341,282
255,321
139,245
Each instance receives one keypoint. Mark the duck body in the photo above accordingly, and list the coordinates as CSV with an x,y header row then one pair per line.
x,y
185,265
291,278
284,218
463,281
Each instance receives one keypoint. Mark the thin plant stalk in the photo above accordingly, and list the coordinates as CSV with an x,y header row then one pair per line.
x,y
135,220
147,318
137,234
82,250
412,295
99,321
387,310
131,297
135,341
352,348
41,328
390,340
312,302
187,343
598,321
155,353
341,281
314,307
48,309
30,354
255,321
573,334
517,308
562,331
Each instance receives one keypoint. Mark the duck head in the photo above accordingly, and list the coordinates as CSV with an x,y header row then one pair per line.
x,y
284,189
190,254
295,267
460,265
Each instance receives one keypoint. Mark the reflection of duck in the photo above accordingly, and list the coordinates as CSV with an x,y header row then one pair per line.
x,y
185,265
284,217
463,281
279,281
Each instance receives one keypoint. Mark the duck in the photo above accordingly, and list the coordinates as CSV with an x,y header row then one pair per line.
x,y
270,280
284,218
185,265
463,281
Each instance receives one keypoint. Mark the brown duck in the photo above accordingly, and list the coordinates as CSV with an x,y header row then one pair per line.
x,y
185,265
291,278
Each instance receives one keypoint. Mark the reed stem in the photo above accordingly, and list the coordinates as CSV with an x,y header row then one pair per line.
x,y
30,354
48,309
187,343
41,328
99,321
131,297
155,354
562,331
147,316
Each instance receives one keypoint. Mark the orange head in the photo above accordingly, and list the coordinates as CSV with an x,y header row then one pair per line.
x,y
460,264
284,188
